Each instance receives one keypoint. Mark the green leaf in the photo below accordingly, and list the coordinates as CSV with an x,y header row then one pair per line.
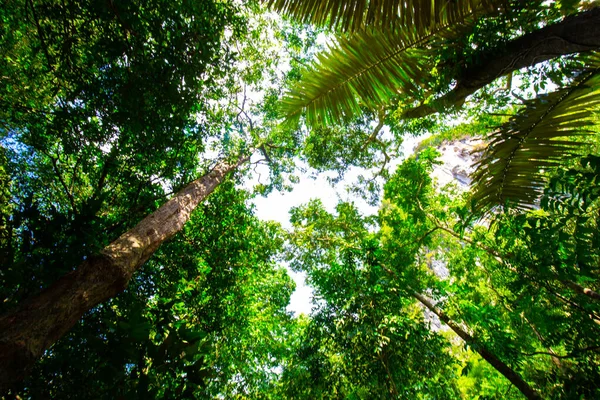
x,y
357,14
541,136
367,69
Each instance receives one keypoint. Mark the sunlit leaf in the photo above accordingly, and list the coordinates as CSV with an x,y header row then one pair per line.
x,y
355,15
367,69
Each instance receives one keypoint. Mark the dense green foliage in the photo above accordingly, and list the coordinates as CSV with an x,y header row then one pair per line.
x,y
109,108
504,284
207,302
106,110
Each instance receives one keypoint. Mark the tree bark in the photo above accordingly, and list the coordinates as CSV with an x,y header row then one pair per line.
x,y
29,330
494,361
575,34
577,288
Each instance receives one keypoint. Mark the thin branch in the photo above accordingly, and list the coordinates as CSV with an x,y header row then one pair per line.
x,y
507,87
102,180
256,164
262,149
386,160
555,357
262,161
501,258
572,354
380,123
300,61
573,304
393,387
40,34
63,183
74,173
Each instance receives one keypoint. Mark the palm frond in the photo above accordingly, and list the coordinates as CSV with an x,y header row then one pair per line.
x,y
539,137
367,69
351,16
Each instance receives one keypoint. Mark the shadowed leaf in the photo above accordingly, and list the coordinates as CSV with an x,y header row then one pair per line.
x,y
540,136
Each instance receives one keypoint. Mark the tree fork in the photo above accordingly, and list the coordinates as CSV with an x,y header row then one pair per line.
x,y
27,331
494,361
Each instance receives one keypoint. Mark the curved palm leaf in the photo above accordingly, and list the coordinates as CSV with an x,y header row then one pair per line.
x,y
369,68
538,137
354,15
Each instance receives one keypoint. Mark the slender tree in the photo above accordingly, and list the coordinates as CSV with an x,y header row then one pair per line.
x,y
29,330
105,108
488,356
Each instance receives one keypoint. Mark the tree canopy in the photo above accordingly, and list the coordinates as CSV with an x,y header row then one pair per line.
x,y
134,137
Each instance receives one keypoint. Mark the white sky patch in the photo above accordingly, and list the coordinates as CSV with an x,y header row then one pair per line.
x,y
276,207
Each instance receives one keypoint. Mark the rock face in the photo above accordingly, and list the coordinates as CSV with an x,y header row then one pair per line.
x,y
441,271
457,162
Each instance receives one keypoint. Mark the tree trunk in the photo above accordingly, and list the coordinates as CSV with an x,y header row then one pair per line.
x,y
577,288
29,330
575,34
494,361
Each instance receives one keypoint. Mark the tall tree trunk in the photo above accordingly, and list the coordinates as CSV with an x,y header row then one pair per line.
x,y
494,361
29,330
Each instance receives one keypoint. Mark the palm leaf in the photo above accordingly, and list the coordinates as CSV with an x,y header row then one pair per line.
x,y
367,69
355,15
539,137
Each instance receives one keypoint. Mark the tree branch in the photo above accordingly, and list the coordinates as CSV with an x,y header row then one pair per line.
x,y
40,33
264,152
572,354
64,184
575,34
380,123
577,288
487,355
591,314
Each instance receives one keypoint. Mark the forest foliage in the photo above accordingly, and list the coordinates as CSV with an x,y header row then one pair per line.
x,y
108,109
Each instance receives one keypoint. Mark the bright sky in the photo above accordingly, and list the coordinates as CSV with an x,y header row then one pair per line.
x,y
276,207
